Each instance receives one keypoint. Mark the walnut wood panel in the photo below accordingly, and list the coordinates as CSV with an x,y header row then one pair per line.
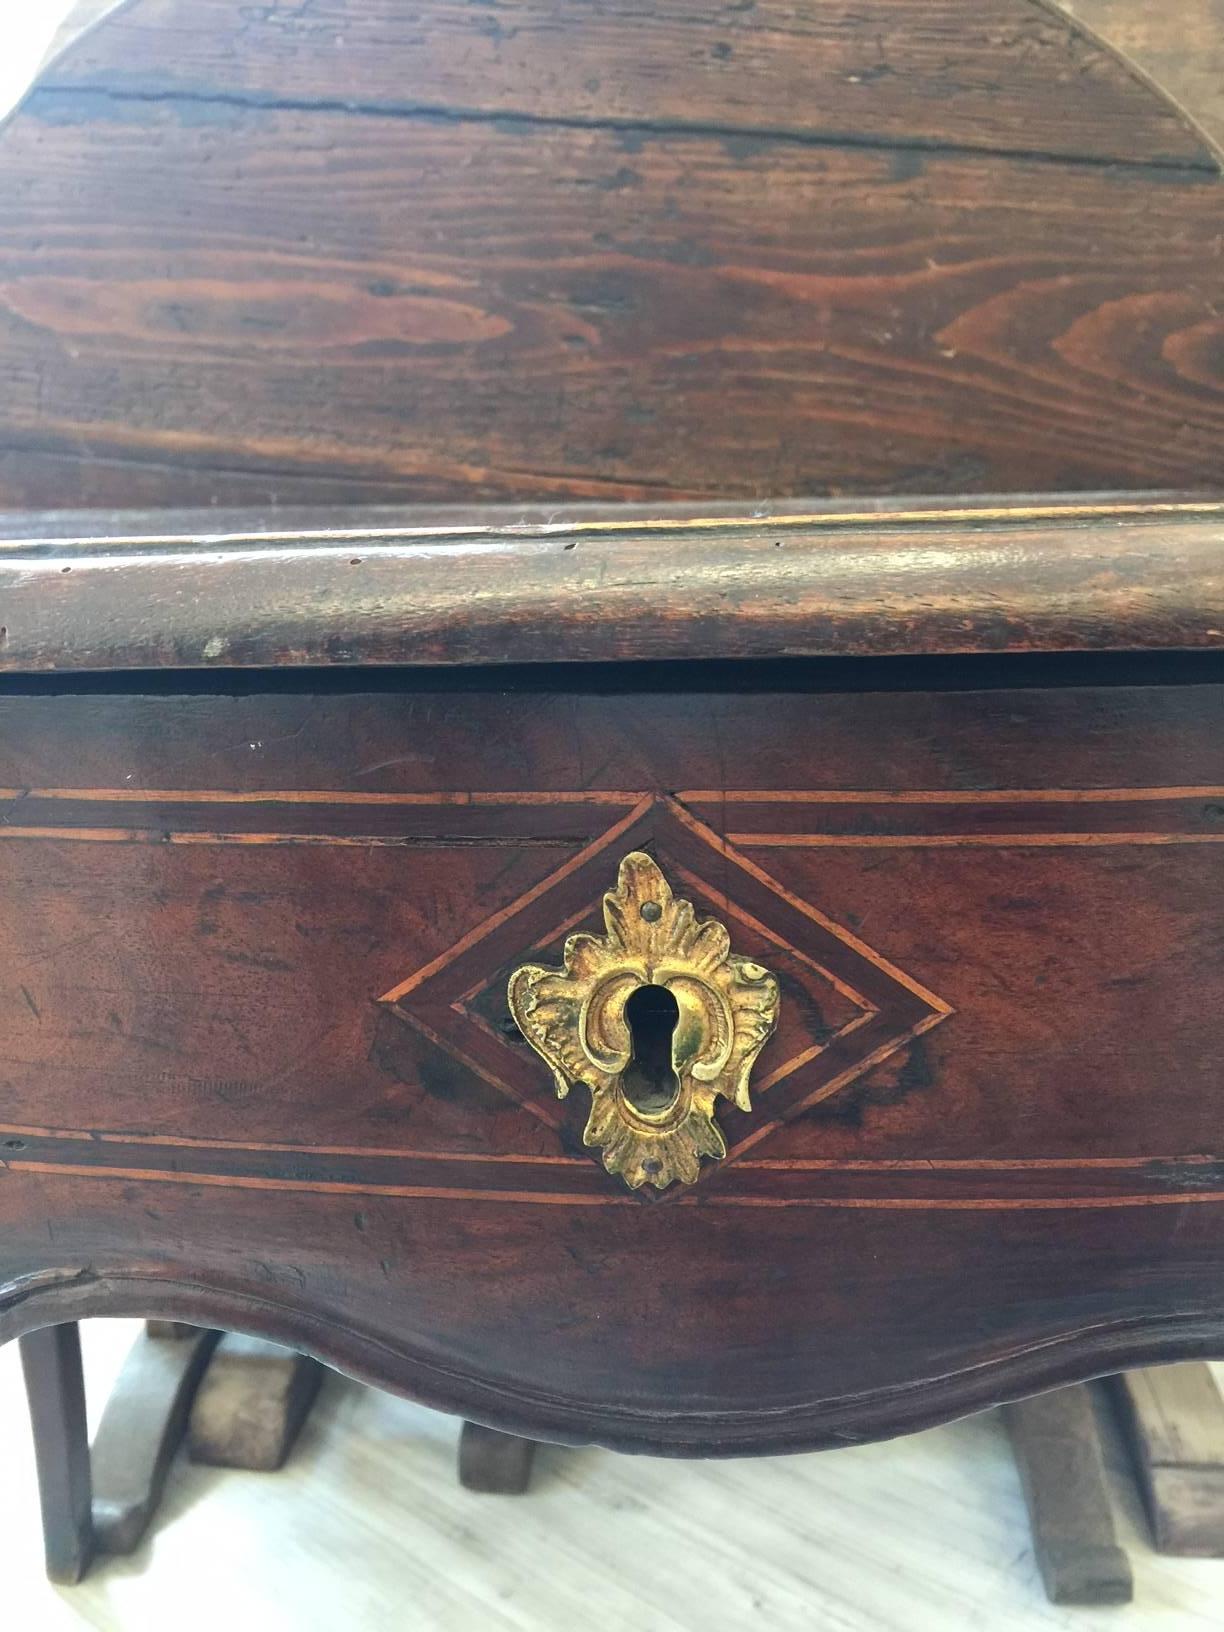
x,y
206,296
1036,577
998,74
257,1071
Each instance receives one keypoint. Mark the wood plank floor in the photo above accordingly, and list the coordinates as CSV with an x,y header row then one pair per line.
x,y
367,1530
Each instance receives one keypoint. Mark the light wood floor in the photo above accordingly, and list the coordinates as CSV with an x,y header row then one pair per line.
x,y
367,1530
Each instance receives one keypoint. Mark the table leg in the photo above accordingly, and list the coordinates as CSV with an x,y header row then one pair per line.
x,y
102,1501
1173,1420
55,1387
252,1404
141,1428
1058,1452
493,1463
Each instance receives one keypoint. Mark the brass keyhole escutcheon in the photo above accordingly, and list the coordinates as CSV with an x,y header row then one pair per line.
x,y
659,1018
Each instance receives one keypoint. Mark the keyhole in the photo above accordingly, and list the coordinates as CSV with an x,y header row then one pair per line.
x,y
649,1083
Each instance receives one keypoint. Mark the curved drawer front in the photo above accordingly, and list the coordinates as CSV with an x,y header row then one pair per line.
x,y
325,1018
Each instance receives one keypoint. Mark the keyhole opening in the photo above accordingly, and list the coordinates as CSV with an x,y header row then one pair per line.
x,y
649,1083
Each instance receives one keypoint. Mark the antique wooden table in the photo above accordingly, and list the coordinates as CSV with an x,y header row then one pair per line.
x,y
697,970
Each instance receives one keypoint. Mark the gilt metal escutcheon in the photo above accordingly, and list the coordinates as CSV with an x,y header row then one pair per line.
x,y
578,1018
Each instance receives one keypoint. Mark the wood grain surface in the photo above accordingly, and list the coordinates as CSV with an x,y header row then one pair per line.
x,y
267,254
258,1074
996,75
83,592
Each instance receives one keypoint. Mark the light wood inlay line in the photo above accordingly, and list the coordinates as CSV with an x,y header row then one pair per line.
x,y
958,1204
965,1164
758,1164
952,841
349,841
321,796
498,918
546,1111
725,847
926,1164
188,1142
582,796
877,1057
246,1181
809,1054
462,1002
733,910
158,826
620,797
540,1198
942,796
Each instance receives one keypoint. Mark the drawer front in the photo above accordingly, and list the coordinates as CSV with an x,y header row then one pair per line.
x,y
263,1067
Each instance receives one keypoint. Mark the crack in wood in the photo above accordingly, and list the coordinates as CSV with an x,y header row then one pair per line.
x,y
520,121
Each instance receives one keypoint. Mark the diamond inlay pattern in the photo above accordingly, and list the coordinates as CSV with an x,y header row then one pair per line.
x,y
844,1007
